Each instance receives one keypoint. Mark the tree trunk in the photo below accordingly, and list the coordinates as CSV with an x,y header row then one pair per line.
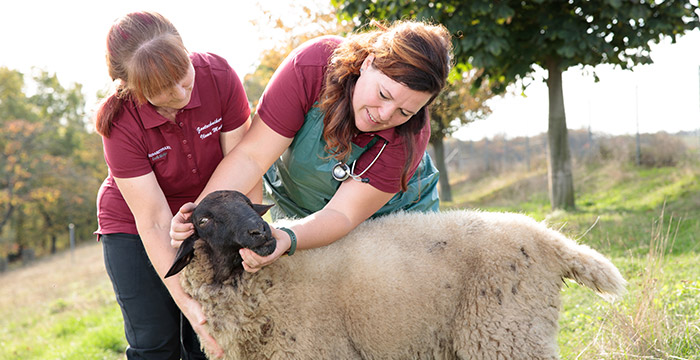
x,y
7,216
560,179
445,190
48,226
53,243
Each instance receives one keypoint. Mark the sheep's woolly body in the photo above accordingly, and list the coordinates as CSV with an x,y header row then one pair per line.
x,y
448,285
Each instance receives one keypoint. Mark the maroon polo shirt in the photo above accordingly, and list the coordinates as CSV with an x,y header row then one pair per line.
x,y
182,154
296,86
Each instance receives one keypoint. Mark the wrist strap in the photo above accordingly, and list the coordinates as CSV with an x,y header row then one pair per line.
x,y
293,237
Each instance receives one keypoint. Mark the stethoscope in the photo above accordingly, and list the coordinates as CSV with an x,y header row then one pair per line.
x,y
341,171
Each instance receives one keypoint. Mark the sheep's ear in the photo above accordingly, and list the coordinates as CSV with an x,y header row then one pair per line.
x,y
184,255
261,209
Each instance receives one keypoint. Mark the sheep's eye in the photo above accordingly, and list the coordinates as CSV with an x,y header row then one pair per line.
x,y
203,221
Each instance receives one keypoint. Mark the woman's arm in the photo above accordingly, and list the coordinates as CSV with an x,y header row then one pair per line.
x,y
228,141
245,165
241,169
152,213
353,203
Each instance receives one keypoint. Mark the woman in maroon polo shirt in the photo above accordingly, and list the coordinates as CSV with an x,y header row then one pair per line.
x,y
345,126
172,119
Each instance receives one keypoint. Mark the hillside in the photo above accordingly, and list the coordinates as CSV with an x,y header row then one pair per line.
x,y
645,219
60,307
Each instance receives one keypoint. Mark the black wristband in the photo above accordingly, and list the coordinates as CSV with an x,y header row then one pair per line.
x,y
293,237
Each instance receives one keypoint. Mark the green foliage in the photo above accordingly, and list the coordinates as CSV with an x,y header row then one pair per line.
x,y
457,106
13,104
290,32
507,37
453,108
50,163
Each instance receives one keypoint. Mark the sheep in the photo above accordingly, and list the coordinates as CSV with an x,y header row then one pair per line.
x,y
449,285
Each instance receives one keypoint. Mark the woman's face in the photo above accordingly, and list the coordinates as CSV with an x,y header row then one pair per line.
x,y
178,96
380,103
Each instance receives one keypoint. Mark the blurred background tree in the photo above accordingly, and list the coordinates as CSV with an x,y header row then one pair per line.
x,y
509,38
49,169
458,105
291,28
286,30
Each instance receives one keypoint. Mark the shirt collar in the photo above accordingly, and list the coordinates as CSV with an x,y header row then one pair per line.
x,y
152,119
364,138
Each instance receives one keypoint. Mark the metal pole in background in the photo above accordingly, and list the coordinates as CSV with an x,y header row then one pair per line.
x,y
71,230
638,156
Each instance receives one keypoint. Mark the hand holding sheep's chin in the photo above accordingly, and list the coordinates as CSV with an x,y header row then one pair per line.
x,y
253,262
180,227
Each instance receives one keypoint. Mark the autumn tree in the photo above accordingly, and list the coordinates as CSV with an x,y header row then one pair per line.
x,y
48,160
65,191
509,38
13,101
457,105
287,29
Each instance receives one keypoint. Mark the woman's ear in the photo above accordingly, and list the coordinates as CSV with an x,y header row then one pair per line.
x,y
367,62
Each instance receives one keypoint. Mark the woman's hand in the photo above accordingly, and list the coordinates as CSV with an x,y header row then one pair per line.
x,y
253,262
193,312
180,226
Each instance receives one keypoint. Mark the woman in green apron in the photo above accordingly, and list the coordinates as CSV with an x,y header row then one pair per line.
x,y
340,135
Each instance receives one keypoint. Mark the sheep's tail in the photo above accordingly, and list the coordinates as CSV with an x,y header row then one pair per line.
x,y
590,268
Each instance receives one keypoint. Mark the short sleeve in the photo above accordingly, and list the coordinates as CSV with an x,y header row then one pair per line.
x,y
235,107
296,86
125,150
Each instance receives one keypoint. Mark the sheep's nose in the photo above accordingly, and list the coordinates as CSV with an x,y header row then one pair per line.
x,y
255,232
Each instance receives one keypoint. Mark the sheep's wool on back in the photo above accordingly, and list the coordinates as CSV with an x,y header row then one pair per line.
x,y
448,285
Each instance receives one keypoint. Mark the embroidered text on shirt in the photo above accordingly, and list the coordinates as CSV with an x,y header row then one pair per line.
x,y
208,126
160,153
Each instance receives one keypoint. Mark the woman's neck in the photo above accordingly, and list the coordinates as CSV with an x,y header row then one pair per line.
x,y
168,113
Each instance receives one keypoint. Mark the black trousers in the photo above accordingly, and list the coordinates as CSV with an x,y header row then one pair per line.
x,y
154,326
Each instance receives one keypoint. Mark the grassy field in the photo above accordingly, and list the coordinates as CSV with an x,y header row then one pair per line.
x,y
61,307
645,220
648,222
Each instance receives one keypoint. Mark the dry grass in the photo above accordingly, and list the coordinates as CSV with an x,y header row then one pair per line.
x,y
642,326
61,307
64,277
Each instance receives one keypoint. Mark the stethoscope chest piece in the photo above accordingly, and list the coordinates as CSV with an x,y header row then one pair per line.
x,y
341,171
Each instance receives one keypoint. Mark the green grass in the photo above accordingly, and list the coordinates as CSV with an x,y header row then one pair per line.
x,y
645,220
61,308
94,335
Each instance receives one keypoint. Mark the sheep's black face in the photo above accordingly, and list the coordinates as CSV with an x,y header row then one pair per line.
x,y
226,221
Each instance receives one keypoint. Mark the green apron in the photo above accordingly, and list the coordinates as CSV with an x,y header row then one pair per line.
x,y
300,181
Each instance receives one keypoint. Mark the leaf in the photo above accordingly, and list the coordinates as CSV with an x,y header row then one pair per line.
x,y
616,4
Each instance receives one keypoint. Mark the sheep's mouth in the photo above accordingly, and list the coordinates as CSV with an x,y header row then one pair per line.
x,y
266,248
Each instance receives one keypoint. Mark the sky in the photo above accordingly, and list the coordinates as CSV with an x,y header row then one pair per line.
x,y
68,38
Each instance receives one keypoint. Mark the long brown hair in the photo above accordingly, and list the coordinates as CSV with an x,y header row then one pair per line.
x,y
412,53
146,54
